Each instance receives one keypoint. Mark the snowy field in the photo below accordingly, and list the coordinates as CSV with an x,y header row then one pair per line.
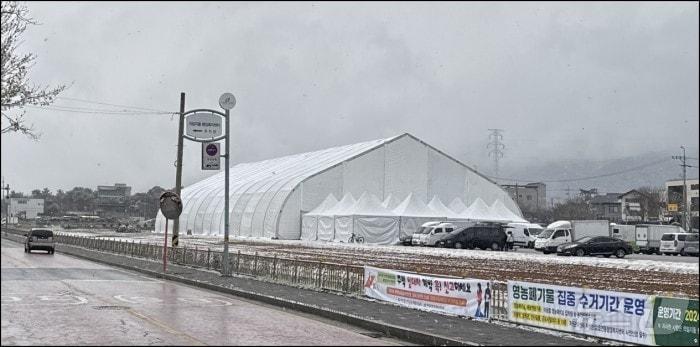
x,y
631,275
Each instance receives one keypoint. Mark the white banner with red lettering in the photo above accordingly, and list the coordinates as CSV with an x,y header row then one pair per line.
x,y
463,297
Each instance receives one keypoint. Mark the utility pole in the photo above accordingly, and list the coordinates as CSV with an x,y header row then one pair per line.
x,y
7,203
496,147
178,174
685,194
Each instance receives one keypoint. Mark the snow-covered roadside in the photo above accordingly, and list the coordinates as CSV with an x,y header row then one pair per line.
x,y
613,263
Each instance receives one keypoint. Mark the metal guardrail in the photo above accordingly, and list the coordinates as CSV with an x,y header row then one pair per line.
x,y
343,278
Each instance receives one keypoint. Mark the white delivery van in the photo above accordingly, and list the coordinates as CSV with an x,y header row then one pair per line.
x,y
561,232
649,236
673,243
524,234
437,233
422,232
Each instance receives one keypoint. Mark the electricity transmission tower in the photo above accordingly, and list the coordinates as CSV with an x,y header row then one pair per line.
x,y
495,148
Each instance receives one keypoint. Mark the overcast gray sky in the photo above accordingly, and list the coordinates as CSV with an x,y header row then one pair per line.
x,y
565,80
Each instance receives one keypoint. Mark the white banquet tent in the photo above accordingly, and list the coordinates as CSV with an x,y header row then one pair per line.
x,y
369,219
505,214
309,222
326,219
413,212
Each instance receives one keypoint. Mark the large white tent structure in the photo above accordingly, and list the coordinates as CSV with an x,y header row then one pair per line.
x,y
269,198
326,219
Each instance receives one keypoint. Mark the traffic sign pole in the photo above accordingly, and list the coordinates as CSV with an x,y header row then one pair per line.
x,y
226,211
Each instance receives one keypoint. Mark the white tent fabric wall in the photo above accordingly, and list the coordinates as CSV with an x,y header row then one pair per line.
x,y
268,198
369,219
310,220
391,202
327,223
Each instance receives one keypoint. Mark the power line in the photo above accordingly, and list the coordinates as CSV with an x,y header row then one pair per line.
x,y
97,111
108,104
586,178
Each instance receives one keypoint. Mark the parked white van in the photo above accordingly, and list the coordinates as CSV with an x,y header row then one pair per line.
x,y
418,237
673,243
437,233
524,234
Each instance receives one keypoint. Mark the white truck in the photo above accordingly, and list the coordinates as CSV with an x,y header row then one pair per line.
x,y
623,232
648,236
561,232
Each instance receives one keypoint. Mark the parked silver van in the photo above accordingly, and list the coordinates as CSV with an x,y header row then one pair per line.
x,y
673,243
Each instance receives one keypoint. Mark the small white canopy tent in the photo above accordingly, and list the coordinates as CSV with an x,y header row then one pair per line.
x,y
507,215
413,212
478,211
390,202
439,208
326,219
457,206
369,219
309,222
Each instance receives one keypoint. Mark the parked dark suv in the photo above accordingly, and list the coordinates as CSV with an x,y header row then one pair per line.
x,y
41,239
480,236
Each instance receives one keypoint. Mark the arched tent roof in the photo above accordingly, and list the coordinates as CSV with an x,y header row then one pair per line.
x,y
260,191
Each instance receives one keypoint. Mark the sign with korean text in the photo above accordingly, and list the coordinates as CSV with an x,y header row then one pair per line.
x,y
675,322
636,318
464,297
203,125
672,207
211,156
612,315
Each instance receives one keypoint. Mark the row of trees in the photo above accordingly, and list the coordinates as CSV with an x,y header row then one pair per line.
x,y
80,199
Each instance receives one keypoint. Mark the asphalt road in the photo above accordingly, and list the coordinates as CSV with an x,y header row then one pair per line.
x,y
57,299
669,258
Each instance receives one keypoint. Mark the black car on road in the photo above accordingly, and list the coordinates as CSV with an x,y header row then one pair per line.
x,y
480,236
601,245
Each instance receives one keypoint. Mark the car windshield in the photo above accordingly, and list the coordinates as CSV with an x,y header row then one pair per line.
x,y
546,233
668,237
534,231
426,230
584,239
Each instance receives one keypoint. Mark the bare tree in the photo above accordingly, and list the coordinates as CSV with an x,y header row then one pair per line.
x,y
652,202
17,91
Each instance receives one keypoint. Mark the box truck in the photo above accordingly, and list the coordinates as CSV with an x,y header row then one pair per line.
x,y
561,232
648,236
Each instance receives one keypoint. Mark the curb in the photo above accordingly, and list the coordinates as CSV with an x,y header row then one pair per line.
x,y
386,328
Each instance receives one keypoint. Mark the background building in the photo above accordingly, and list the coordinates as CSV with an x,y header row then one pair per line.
x,y
268,198
113,200
674,196
607,206
530,197
26,208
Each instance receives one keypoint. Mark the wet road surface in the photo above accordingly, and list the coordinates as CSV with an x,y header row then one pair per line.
x,y
60,300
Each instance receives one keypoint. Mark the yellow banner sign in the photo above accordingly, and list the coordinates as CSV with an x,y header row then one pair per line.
x,y
672,207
